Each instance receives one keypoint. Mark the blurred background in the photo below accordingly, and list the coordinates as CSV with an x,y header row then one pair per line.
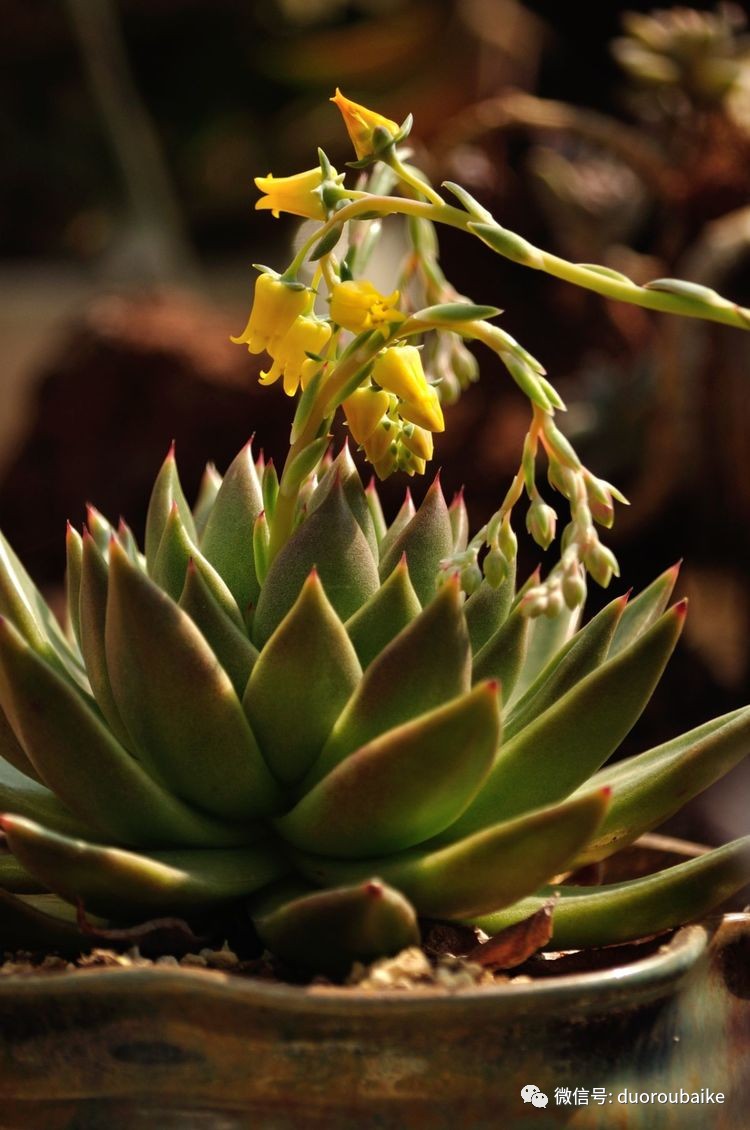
x,y
132,130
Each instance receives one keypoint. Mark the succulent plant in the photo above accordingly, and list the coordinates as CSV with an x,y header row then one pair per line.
x,y
343,725
174,754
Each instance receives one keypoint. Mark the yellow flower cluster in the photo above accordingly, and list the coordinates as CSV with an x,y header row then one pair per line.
x,y
282,323
394,422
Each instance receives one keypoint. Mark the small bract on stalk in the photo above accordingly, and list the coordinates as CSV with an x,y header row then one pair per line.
x,y
342,723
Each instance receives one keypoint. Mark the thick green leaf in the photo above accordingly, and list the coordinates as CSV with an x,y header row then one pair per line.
x,y
178,703
226,638
166,491
572,739
15,878
459,517
24,605
487,609
503,655
387,612
344,467
547,635
424,666
329,930
12,751
122,884
331,541
405,514
92,615
637,908
228,538
73,555
490,869
78,758
650,788
583,653
426,540
404,786
376,511
27,797
300,684
207,492
645,609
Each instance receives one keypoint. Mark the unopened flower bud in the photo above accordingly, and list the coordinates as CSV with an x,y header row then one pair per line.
x,y
495,567
574,587
555,602
601,564
541,520
535,602
507,540
471,577
369,131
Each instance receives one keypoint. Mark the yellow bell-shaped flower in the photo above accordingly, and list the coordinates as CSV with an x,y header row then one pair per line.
x,y
399,370
299,194
290,361
275,307
361,124
357,306
364,410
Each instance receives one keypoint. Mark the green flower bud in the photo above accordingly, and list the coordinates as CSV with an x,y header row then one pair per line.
x,y
541,520
601,564
495,567
574,587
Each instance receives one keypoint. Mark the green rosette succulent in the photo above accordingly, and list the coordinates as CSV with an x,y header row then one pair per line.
x,y
341,741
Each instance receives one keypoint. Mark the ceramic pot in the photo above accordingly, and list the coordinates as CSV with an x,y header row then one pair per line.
x,y
162,1048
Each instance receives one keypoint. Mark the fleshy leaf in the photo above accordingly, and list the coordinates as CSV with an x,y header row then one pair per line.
x,y
561,749
119,883
424,666
651,787
345,469
92,616
24,605
178,703
301,682
487,609
426,540
637,908
166,491
387,612
490,869
228,538
405,514
207,492
331,541
78,758
403,787
503,655
27,797
583,653
547,635
73,556
645,609
227,639
329,930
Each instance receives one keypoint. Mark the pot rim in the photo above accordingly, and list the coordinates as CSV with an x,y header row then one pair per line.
x,y
669,963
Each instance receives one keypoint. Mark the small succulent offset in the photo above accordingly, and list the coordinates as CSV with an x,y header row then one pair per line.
x,y
345,725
